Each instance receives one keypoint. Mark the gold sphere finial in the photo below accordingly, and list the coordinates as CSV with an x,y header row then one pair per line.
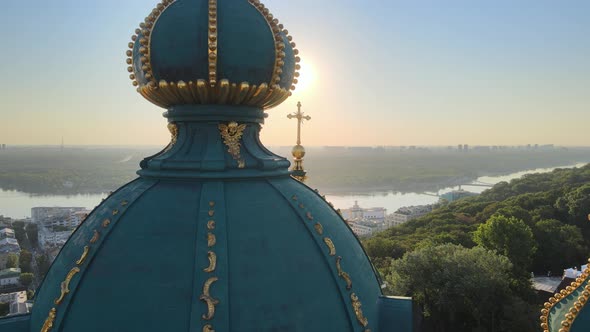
x,y
298,152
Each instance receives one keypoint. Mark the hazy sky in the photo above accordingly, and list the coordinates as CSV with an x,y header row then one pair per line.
x,y
380,72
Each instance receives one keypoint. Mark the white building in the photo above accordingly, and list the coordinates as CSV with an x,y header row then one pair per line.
x,y
9,245
17,301
9,277
405,214
56,216
56,224
358,213
361,230
6,233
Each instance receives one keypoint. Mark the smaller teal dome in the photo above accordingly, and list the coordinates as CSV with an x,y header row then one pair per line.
x,y
568,309
213,52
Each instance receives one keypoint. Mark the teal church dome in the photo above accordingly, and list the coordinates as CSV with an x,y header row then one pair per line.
x,y
568,310
213,52
215,234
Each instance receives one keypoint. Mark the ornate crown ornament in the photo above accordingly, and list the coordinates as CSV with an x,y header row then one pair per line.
x,y
166,90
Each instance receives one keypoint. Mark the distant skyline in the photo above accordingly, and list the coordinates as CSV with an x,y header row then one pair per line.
x,y
376,73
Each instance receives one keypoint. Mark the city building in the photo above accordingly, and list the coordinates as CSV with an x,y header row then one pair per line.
x,y
405,214
57,216
56,224
358,213
6,233
17,301
361,230
9,277
9,245
455,195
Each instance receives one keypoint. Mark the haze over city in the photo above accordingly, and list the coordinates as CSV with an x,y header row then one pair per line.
x,y
402,73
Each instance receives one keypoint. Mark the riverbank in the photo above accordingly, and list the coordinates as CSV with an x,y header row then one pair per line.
x,y
17,204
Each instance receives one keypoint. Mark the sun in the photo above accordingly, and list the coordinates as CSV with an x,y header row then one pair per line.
x,y
307,77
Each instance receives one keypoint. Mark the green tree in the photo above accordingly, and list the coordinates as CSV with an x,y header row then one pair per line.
x,y
32,234
560,246
516,212
26,279
25,261
380,247
510,237
12,261
577,205
459,289
42,265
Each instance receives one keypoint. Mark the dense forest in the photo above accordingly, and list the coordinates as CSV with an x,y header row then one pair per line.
x,y
52,171
74,170
486,247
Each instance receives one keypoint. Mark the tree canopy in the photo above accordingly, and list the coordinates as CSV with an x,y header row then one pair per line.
x,y
510,237
459,289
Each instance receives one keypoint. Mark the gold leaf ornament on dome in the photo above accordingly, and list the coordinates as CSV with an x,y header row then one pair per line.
x,y
330,245
212,262
65,285
173,129
208,299
343,274
82,258
48,324
232,134
356,306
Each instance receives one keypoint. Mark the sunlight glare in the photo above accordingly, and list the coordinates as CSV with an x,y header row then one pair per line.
x,y
307,77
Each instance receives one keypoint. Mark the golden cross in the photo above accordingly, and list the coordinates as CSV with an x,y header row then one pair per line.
x,y
300,116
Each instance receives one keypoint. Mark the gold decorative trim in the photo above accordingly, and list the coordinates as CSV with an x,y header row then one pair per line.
x,y
145,29
278,40
280,54
297,58
211,240
206,297
208,328
232,134
309,216
319,228
115,212
65,285
356,305
212,262
301,206
294,197
84,255
330,245
48,325
343,274
211,213
173,129
578,305
212,42
166,94
106,223
212,204
95,237
211,225
123,203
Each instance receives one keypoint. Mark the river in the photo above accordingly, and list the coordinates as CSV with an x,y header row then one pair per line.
x,y
18,205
